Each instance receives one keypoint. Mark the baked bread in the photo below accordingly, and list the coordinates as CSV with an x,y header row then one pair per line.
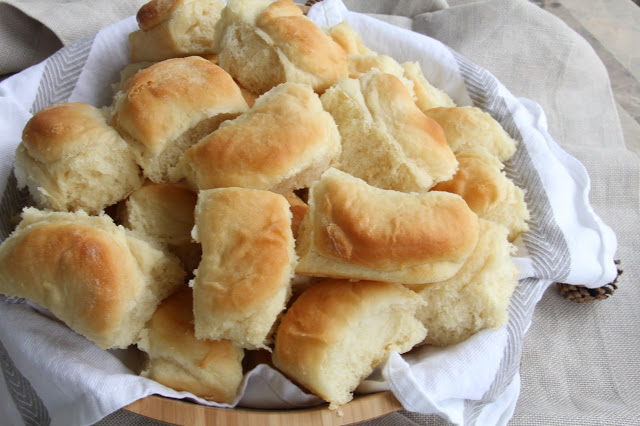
x,y
248,259
131,69
386,140
488,191
477,297
210,369
298,209
338,331
467,127
360,64
356,231
164,109
349,40
174,28
362,60
70,159
102,281
284,142
126,73
427,95
165,213
263,43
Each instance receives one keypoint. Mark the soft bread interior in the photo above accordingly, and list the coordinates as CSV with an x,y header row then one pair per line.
x,y
476,297
386,140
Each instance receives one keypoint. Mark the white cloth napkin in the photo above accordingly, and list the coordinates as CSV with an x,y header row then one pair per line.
x,y
56,375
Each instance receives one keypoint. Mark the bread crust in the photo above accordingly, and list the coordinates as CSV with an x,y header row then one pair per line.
x,y
155,12
248,259
263,44
210,369
164,100
466,127
60,131
317,60
354,230
386,140
174,28
481,182
70,159
284,142
88,272
337,331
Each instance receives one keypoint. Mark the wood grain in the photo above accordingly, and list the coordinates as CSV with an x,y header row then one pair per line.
x,y
365,407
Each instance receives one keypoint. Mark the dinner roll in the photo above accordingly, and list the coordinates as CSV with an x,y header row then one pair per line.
x,y
427,95
338,331
348,39
174,28
477,296
99,279
386,140
488,191
467,127
70,159
284,142
356,231
164,109
210,369
263,43
164,212
248,259
362,60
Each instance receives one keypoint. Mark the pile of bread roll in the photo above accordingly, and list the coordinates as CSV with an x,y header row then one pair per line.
x,y
263,184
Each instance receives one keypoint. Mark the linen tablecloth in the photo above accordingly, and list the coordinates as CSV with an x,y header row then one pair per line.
x,y
579,363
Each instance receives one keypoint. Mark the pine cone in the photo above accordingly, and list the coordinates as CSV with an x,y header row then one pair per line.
x,y
582,294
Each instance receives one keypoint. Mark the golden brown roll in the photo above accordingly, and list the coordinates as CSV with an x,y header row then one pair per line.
x,y
488,191
165,213
99,279
386,140
210,369
164,109
248,259
468,127
338,331
356,231
477,296
284,142
70,159
263,43
174,28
